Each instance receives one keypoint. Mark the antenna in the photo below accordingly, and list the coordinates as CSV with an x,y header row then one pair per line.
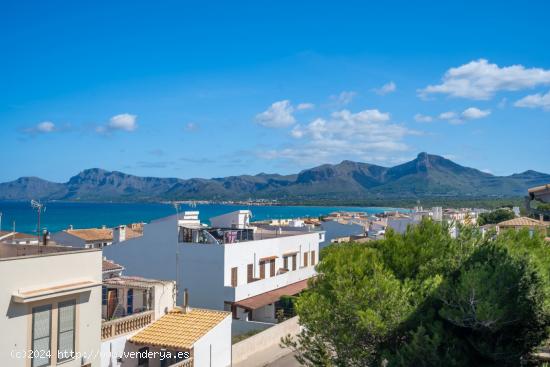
x,y
37,205
177,206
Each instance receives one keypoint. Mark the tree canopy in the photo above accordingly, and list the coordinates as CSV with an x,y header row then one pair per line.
x,y
425,299
495,216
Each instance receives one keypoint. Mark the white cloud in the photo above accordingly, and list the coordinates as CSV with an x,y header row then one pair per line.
x,y
474,113
45,127
367,135
449,115
481,80
344,98
538,100
422,118
471,113
124,121
386,88
305,106
279,114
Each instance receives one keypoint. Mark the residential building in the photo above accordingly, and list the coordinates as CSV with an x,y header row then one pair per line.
x,y
538,201
236,265
94,237
524,223
143,327
18,238
50,300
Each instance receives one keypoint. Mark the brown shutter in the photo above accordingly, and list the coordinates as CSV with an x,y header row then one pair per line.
x,y
272,268
294,260
234,277
262,269
305,258
312,258
250,273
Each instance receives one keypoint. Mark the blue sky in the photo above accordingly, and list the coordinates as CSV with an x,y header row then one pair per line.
x,y
209,89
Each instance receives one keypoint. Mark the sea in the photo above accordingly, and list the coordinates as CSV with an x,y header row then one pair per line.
x,y
56,216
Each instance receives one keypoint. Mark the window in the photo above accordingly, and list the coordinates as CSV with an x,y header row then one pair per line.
x,y
262,269
130,302
143,356
41,335
250,273
272,268
312,258
65,330
305,258
294,261
234,277
285,262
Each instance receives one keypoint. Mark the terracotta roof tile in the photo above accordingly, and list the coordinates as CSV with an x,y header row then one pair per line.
x,y
179,330
522,222
109,265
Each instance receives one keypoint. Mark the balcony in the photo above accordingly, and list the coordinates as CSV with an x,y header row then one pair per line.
x,y
125,325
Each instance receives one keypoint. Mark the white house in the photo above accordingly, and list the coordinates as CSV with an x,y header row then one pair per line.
x,y
50,299
143,327
93,237
234,266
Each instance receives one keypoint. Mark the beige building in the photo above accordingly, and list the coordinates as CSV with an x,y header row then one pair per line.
x,y
50,299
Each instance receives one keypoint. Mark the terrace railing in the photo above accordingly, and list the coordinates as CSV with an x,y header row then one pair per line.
x,y
124,325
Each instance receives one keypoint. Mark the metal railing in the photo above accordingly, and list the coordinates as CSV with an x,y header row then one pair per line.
x,y
124,325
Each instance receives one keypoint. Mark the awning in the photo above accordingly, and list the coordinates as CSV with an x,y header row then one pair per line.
x,y
266,298
290,253
53,291
269,258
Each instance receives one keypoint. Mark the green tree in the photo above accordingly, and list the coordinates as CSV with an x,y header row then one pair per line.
x,y
495,216
426,299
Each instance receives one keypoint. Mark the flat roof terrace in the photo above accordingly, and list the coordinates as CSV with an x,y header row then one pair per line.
x,y
235,235
10,251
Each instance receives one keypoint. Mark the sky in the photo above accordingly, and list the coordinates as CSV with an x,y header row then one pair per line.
x,y
211,89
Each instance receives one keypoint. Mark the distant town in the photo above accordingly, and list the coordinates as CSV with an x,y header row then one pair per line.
x,y
178,292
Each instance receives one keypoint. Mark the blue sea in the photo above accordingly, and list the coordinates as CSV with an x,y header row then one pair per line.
x,y
57,216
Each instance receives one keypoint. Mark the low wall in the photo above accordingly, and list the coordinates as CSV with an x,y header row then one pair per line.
x,y
239,327
269,338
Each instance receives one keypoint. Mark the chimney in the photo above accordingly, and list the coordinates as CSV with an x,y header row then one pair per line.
x,y
185,305
541,218
45,235
70,227
119,234
104,227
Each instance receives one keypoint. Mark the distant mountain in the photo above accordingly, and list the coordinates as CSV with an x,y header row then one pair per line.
x,y
426,176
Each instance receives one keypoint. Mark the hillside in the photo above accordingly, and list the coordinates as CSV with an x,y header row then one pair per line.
x,y
426,176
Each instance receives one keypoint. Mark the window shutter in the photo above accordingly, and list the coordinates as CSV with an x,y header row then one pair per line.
x,y
305,258
41,335
250,273
66,328
234,277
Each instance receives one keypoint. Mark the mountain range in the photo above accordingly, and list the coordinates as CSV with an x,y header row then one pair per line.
x,y
425,176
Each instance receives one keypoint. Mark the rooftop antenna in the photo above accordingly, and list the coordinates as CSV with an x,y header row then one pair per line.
x,y
38,206
177,206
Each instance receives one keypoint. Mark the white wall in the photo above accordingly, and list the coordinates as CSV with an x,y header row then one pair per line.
x,y
241,254
263,341
214,349
37,272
